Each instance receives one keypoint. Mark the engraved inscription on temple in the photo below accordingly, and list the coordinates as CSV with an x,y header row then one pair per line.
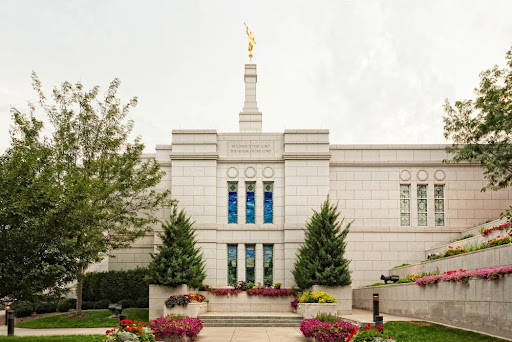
x,y
250,147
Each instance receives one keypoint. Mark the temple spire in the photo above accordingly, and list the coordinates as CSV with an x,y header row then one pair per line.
x,y
250,116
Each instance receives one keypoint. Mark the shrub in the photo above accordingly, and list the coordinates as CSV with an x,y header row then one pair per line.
x,y
101,304
316,297
277,285
178,260
115,286
142,302
45,307
23,308
64,305
128,303
88,305
321,259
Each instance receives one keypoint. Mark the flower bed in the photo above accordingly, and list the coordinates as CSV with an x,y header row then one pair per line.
x,y
489,230
316,297
130,331
451,251
272,292
462,275
176,327
266,292
183,300
338,330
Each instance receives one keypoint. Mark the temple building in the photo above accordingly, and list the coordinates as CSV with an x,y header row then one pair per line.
x,y
250,194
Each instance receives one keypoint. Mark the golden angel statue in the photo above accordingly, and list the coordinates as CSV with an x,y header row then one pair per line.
x,y
252,41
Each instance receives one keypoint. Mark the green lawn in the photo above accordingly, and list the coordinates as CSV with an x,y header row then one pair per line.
x,y
71,338
91,319
428,332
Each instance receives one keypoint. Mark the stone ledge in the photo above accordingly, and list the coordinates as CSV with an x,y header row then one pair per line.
x,y
482,305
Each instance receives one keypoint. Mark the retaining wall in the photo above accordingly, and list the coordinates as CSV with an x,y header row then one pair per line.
x,y
489,257
480,304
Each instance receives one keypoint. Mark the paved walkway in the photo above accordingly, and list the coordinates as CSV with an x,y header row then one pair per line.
x,y
218,334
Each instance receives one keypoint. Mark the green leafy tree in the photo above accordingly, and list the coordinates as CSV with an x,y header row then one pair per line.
x,y
321,260
481,129
178,261
106,190
35,253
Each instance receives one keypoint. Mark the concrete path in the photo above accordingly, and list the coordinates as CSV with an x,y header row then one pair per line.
x,y
218,334
364,316
54,332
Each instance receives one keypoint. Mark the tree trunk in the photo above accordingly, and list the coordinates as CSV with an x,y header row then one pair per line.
x,y
79,287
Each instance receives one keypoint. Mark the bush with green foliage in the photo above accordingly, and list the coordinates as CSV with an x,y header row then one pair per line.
x,y
66,304
23,308
45,307
321,259
117,286
178,260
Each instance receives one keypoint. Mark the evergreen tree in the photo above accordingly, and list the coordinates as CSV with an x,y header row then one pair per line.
x,y
178,261
320,260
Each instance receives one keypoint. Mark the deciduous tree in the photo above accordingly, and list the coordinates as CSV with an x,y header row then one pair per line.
x,y
481,128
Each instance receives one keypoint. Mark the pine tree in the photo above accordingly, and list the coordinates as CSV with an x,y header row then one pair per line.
x,y
178,261
320,260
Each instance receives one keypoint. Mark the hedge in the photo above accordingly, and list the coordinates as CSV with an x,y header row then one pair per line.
x,y
116,286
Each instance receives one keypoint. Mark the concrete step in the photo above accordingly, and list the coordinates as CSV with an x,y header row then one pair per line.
x,y
252,324
250,321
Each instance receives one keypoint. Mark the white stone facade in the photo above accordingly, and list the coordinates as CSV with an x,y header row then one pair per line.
x,y
305,168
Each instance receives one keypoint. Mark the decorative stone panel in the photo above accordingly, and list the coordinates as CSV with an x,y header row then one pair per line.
x,y
422,175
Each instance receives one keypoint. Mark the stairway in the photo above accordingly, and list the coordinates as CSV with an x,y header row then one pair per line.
x,y
238,319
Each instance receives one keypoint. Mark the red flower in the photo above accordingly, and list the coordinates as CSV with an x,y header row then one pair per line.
x,y
367,326
379,328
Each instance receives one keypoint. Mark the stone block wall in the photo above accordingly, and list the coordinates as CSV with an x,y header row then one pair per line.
x,y
480,304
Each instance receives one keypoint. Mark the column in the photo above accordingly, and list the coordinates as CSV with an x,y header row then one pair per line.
x,y
259,263
241,262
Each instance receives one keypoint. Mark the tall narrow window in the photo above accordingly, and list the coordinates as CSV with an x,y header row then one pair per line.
x,y
232,264
250,215
439,204
268,264
422,204
232,202
268,202
250,261
405,204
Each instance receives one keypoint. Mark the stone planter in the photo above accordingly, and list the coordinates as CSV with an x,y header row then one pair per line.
x,y
157,296
243,302
343,295
310,310
189,310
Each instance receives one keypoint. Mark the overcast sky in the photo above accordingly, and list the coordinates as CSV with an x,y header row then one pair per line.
x,y
371,71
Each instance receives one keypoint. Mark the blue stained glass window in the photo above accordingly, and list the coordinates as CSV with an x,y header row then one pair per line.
x,y
250,263
232,202
250,215
232,264
268,203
